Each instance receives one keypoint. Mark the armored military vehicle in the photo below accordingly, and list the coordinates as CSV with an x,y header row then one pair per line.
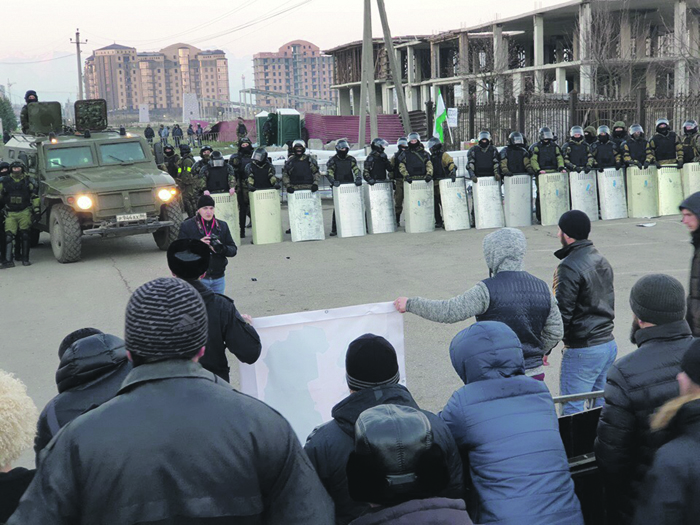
x,y
93,180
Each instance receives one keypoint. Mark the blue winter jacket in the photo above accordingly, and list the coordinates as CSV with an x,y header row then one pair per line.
x,y
505,424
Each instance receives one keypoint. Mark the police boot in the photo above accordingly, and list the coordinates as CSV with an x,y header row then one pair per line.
x,y
398,219
9,251
2,246
25,247
334,230
18,249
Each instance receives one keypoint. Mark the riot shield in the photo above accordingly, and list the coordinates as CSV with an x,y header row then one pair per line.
x,y
518,200
488,210
455,209
642,192
379,207
418,204
670,190
305,216
584,193
553,191
349,210
613,198
691,178
266,216
158,153
226,209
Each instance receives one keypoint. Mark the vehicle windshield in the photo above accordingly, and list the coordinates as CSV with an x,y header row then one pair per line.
x,y
61,158
119,152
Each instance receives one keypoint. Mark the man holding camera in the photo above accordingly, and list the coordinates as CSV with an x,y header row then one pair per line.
x,y
204,226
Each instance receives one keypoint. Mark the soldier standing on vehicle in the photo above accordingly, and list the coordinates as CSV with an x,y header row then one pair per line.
x,y
218,176
20,193
239,161
190,185
29,97
443,168
666,146
148,133
577,154
4,171
204,153
342,169
402,144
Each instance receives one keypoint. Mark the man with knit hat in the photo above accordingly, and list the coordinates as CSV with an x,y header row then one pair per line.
x,y
189,260
637,385
176,444
671,491
583,286
215,233
510,295
372,374
690,209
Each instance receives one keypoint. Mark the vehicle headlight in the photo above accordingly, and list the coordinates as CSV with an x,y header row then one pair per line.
x,y
165,194
84,202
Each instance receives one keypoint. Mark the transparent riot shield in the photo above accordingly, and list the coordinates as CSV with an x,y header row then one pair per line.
x,y
226,209
379,207
305,216
517,203
349,210
266,215
584,193
488,209
642,192
670,190
455,209
553,191
418,204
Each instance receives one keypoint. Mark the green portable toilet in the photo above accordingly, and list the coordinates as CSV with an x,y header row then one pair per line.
x,y
260,119
288,125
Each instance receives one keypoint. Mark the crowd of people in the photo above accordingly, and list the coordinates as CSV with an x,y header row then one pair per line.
x,y
147,429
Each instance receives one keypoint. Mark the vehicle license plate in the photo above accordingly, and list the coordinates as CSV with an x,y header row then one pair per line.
x,y
130,217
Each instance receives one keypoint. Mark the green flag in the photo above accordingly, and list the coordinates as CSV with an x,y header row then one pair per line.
x,y
440,118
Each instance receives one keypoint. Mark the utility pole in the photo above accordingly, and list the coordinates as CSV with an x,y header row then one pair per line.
x,y
9,90
367,89
395,71
77,43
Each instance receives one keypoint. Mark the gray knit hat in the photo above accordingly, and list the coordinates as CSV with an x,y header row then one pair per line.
x,y
165,319
658,299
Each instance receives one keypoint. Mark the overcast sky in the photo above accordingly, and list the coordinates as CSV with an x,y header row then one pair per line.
x,y
36,52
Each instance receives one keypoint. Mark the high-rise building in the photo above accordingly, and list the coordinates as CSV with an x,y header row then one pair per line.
x,y
126,78
297,68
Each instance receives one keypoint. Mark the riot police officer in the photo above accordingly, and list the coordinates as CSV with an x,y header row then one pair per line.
x,y
4,171
604,151
239,161
443,168
589,135
636,150
665,145
545,157
482,159
300,171
402,145
190,185
690,141
414,163
515,158
577,154
218,176
170,161
261,173
619,134
342,169
377,163
20,193
205,153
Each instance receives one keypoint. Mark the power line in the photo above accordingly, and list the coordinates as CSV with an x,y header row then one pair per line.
x,y
34,61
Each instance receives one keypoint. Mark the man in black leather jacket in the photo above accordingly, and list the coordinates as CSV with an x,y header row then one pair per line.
x,y
637,385
583,285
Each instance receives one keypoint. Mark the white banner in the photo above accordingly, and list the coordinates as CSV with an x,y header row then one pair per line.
x,y
452,114
301,371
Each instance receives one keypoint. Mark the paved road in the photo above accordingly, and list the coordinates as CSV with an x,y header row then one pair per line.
x,y
43,303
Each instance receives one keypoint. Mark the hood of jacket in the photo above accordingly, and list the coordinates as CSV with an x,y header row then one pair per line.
x,y
487,350
504,250
349,409
679,412
692,204
88,359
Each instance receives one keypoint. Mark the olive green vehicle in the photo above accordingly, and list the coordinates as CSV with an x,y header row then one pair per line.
x,y
93,181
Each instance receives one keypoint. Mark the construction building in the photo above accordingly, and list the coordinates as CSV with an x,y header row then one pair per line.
x,y
600,48
297,69
126,78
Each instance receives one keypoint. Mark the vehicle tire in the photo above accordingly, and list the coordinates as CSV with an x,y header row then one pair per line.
x,y
34,234
64,229
164,236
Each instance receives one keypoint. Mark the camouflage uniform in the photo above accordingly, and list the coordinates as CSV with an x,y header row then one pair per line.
x,y
413,158
190,185
290,172
20,195
690,148
667,149
199,166
170,165
636,152
342,171
264,174
395,174
577,155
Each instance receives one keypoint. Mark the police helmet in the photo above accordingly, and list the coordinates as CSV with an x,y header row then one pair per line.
x,y
662,126
636,128
413,137
17,164
690,127
516,139
206,148
576,132
342,144
379,144
603,130
217,159
484,136
434,145
4,167
546,133
169,150
185,149
402,142
299,144
244,140
260,156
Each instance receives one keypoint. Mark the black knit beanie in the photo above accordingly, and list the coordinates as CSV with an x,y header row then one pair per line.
x,y
371,361
658,299
205,200
188,258
165,319
690,364
575,224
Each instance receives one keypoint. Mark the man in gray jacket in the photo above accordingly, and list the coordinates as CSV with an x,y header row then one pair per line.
x,y
510,295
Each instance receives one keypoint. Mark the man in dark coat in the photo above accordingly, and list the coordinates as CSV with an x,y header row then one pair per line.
x,y
189,260
91,370
149,134
637,385
177,444
506,428
690,208
398,467
671,492
372,375
583,286
205,227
